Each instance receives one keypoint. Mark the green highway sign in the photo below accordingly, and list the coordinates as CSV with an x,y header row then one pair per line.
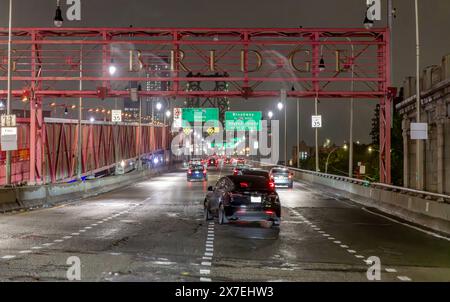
x,y
199,115
243,120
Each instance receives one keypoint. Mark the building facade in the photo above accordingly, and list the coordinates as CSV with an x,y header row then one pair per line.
x,y
434,173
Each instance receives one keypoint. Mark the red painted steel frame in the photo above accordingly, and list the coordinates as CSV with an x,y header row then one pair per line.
x,y
258,62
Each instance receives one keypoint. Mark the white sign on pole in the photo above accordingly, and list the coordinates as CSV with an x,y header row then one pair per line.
x,y
373,10
419,131
316,121
116,116
362,169
9,138
177,117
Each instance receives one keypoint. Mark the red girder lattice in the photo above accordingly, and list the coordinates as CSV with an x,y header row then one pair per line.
x,y
46,62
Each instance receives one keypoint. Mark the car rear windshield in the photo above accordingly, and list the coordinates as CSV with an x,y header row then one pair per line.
x,y
280,171
256,173
196,167
255,183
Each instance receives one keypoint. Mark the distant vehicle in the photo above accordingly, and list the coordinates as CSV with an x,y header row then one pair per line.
x,y
281,177
256,172
213,162
196,172
228,161
243,198
239,168
240,161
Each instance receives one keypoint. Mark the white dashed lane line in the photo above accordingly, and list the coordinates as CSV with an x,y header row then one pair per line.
x,y
344,246
206,263
62,239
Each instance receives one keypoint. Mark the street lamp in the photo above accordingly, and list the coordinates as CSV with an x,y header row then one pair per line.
x,y
270,114
168,113
58,20
112,68
158,106
280,106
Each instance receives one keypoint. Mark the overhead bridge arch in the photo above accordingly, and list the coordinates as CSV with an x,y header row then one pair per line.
x,y
252,62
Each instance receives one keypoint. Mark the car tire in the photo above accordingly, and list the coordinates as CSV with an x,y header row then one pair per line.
x,y
222,217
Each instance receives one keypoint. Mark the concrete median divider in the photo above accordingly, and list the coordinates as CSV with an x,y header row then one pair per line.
x,y
28,197
416,209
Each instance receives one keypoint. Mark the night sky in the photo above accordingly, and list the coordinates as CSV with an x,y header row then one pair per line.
x,y
434,24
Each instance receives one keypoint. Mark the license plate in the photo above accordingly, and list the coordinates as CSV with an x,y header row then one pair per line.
x,y
196,172
255,199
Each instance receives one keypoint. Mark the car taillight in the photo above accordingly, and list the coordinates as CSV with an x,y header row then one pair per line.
x,y
290,176
271,185
235,172
269,212
204,171
189,171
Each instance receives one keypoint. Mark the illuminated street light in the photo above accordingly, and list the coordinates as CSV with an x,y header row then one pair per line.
x,y
158,106
58,20
168,113
270,114
92,119
112,68
280,106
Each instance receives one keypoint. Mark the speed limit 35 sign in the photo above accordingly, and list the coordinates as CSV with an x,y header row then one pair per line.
x,y
316,121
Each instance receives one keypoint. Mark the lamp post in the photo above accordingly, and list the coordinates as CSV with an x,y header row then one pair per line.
x,y
8,101
80,117
419,172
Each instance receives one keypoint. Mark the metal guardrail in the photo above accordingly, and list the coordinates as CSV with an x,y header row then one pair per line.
x,y
424,194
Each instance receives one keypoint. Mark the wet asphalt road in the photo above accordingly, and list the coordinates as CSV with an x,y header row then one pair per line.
x,y
155,231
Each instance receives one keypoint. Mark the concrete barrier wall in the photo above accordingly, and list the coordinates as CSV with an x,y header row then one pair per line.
x,y
430,214
48,195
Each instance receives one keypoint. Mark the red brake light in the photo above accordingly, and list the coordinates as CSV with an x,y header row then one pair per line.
x,y
190,171
290,176
243,185
269,212
204,171
235,172
271,185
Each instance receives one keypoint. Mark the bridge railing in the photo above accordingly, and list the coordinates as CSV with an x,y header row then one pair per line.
x,y
423,194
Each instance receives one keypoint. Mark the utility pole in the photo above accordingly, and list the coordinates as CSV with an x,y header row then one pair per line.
x,y
316,130
298,133
419,172
80,117
8,102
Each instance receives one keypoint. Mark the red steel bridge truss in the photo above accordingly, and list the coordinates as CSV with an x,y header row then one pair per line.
x,y
192,63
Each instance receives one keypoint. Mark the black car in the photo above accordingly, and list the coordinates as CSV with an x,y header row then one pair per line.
x,y
256,172
243,198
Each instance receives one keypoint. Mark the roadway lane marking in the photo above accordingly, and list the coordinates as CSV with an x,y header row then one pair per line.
x,y
58,240
206,263
344,246
390,270
88,228
337,242
82,231
205,272
359,256
351,251
75,234
36,248
7,257
207,258
202,279
208,254
67,237
25,252
48,244
403,278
